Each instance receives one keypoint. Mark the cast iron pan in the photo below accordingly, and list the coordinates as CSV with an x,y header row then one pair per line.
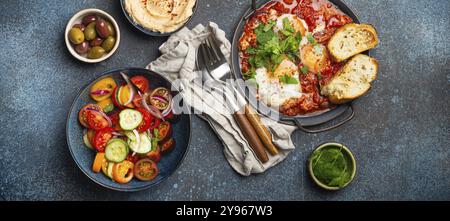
x,y
302,121
84,156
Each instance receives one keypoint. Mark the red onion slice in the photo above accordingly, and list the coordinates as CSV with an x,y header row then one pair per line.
x,y
100,92
160,98
153,110
169,106
117,134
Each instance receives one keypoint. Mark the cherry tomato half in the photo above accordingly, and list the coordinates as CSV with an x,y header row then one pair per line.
x,y
123,171
155,153
101,138
146,170
115,120
137,100
164,131
91,135
146,122
133,158
82,115
140,82
167,146
96,120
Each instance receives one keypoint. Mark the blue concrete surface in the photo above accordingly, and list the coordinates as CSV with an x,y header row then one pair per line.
x,y
400,135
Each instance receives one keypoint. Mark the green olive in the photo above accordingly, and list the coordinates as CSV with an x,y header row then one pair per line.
x,y
90,33
96,52
111,29
76,36
108,43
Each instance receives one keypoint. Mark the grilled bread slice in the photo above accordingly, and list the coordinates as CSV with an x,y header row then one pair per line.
x,y
352,81
352,39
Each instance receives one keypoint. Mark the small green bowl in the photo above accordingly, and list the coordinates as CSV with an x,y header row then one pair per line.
x,y
346,152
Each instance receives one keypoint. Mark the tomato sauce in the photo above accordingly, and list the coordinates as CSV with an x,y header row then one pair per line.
x,y
315,13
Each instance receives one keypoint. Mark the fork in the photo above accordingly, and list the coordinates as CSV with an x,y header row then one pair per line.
x,y
219,70
223,72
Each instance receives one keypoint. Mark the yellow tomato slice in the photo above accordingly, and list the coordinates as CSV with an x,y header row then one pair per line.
x,y
106,84
104,104
123,171
124,96
98,162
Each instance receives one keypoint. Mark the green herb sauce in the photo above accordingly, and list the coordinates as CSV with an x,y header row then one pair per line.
x,y
332,166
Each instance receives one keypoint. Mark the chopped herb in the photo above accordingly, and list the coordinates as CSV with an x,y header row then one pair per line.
x,y
288,79
304,70
298,37
311,39
264,36
269,25
156,134
287,25
250,74
319,75
272,48
251,51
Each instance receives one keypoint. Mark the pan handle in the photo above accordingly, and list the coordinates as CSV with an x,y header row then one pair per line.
x,y
252,10
347,119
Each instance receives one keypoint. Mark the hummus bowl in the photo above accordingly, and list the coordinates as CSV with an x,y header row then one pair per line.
x,y
152,19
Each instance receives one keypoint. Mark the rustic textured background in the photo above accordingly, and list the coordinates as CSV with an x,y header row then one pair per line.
x,y
400,135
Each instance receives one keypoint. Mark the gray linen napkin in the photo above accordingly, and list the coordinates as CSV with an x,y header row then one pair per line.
x,y
177,62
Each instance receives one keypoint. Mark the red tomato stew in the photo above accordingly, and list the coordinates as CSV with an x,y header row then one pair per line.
x,y
283,48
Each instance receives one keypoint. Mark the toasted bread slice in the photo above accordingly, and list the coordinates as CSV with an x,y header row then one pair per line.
x,y
352,81
352,39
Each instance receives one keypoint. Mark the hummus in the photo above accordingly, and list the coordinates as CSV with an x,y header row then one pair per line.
x,y
160,15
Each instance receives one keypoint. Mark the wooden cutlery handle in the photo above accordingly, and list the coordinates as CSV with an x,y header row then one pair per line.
x,y
260,129
251,136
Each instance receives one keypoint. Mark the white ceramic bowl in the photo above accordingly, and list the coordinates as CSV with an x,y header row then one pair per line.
x,y
76,19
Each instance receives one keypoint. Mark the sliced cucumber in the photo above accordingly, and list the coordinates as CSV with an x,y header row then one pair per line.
x,y
110,170
86,141
116,150
129,119
140,146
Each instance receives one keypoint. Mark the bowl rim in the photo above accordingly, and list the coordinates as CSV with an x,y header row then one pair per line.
x,y
326,145
150,32
78,15
72,106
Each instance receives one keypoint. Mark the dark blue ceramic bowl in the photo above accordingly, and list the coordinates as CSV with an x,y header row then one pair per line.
x,y
150,32
84,156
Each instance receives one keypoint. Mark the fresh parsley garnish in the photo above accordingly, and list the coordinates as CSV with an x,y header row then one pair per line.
x,y
269,25
311,39
250,74
288,79
319,75
287,26
272,48
304,70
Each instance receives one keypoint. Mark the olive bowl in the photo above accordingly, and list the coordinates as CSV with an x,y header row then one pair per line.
x,y
76,19
346,153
